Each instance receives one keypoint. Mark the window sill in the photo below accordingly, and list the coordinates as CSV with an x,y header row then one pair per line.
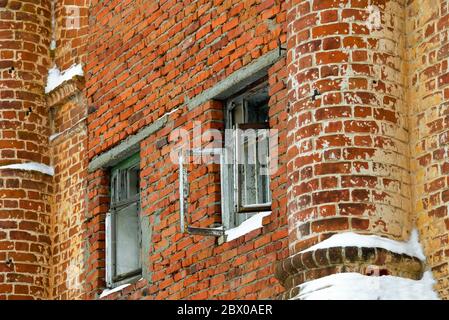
x,y
253,223
108,291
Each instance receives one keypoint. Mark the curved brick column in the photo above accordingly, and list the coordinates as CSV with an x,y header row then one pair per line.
x,y
428,80
348,166
24,205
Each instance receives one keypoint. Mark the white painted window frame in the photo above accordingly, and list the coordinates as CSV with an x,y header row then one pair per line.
x,y
110,236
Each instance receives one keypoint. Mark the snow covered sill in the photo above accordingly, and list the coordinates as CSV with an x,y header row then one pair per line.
x,y
355,286
31,166
56,77
107,292
349,239
253,223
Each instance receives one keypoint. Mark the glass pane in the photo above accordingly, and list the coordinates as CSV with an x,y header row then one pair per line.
x,y
250,171
123,182
263,169
114,188
134,182
237,115
127,232
257,109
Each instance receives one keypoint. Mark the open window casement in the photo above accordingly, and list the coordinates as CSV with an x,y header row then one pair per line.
x,y
123,230
184,190
244,164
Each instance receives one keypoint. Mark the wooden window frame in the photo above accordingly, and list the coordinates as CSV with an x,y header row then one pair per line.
x,y
113,279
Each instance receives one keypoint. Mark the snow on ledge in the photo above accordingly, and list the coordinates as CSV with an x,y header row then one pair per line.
x,y
355,286
56,77
31,166
349,239
107,292
253,223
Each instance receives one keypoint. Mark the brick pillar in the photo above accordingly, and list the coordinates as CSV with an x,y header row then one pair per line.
x,y
25,195
428,80
348,162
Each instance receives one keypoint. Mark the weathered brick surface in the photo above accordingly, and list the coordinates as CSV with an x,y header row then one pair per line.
x,y
67,109
69,208
24,234
98,205
359,100
347,140
24,50
25,196
70,32
163,54
185,266
428,95
148,58
310,265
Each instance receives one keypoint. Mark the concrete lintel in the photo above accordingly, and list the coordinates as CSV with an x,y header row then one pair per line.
x,y
126,148
237,80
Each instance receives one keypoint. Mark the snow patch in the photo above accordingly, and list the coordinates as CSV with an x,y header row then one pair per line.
x,y
54,136
56,77
349,239
107,292
31,166
253,223
355,286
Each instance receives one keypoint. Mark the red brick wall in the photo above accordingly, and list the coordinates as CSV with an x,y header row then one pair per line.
x,y
428,95
186,266
98,205
68,111
145,59
25,39
71,32
69,207
25,196
24,234
348,146
159,62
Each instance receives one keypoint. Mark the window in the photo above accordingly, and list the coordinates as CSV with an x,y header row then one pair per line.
x,y
245,163
123,231
247,147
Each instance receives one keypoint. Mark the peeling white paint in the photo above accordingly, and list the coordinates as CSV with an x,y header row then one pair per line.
x,y
374,21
